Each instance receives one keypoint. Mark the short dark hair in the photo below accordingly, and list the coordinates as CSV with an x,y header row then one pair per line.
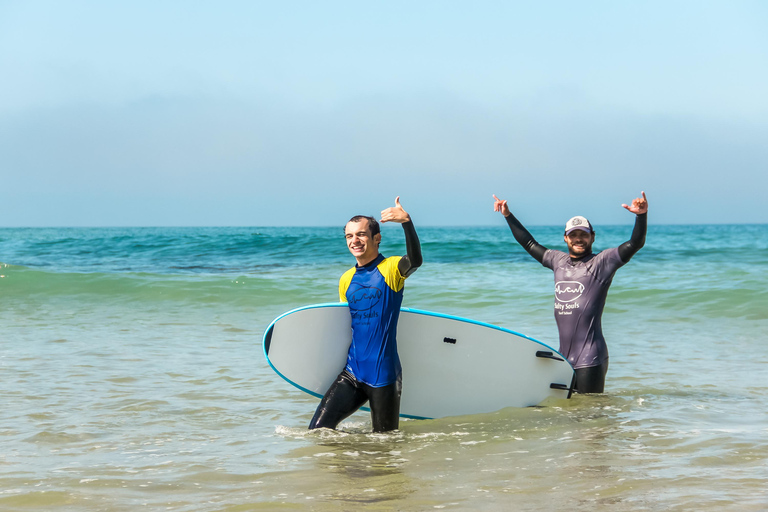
x,y
372,223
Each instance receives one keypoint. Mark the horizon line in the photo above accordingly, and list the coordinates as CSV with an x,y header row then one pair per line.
x,y
218,226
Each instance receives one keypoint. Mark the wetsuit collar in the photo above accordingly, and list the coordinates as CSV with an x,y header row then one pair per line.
x,y
586,257
372,264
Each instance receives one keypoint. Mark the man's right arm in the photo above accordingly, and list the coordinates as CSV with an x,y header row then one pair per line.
x,y
344,283
523,237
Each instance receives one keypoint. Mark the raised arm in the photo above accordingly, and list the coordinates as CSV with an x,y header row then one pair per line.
x,y
412,260
523,237
629,248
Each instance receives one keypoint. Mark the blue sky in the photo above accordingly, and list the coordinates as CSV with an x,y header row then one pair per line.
x,y
175,113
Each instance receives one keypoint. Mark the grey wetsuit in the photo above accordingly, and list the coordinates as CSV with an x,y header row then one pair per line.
x,y
581,287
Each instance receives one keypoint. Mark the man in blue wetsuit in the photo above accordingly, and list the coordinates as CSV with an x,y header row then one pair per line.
x,y
581,286
374,291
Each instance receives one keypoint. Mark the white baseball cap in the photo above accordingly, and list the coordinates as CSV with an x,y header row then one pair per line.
x,y
578,222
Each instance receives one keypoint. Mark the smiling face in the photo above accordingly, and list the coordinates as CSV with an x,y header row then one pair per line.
x,y
361,243
579,242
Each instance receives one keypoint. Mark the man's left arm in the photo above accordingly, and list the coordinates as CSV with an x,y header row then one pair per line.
x,y
413,259
629,248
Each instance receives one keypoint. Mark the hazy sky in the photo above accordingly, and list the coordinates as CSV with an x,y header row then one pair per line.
x,y
159,113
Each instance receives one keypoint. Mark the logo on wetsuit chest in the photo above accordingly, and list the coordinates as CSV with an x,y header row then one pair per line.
x,y
568,291
363,298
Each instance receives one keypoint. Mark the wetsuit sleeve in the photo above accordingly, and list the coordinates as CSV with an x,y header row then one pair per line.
x,y
629,248
525,239
344,282
412,260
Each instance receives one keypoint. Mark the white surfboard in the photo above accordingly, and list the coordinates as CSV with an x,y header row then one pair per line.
x,y
451,366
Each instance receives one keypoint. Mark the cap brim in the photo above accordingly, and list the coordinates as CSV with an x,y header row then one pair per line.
x,y
582,228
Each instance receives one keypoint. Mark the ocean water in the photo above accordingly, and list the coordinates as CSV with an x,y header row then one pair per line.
x,y
132,376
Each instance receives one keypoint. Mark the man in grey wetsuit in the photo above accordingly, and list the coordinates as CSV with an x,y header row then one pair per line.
x,y
581,286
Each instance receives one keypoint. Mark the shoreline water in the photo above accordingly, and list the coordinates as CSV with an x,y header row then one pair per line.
x,y
132,376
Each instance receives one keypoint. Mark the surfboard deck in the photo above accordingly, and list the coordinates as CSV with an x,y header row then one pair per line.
x,y
452,366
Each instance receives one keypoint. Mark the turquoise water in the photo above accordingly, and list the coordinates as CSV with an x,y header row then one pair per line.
x,y
133,376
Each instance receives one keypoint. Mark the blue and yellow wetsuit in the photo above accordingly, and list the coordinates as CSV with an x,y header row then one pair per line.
x,y
374,293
